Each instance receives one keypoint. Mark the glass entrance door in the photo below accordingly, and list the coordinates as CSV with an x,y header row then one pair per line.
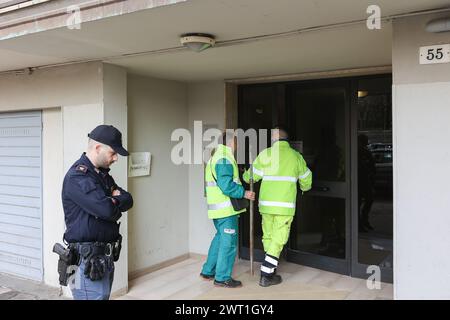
x,y
372,204
343,129
319,114
258,109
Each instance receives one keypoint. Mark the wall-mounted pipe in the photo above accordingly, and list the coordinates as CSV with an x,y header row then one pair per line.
x,y
439,25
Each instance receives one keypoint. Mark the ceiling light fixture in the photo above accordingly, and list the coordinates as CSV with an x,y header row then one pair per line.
x,y
439,25
197,41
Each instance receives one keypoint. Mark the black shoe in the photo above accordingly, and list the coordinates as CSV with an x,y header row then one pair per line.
x,y
230,283
272,280
206,276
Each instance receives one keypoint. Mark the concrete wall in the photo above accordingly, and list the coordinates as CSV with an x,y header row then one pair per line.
x,y
76,125
78,120
161,229
50,17
421,113
158,221
115,112
78,89
52,87
206,103
86,95
53,173
74,100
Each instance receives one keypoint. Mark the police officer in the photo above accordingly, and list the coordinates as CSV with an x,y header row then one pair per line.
x,y
93,203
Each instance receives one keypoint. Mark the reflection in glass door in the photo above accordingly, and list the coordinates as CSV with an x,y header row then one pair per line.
x,y
373,205
257,110
318,125
343,128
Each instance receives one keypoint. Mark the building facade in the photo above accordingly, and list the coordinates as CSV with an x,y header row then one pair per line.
x,y
329,72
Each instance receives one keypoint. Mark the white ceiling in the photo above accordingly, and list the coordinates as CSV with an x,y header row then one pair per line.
x,y
350,47
160,28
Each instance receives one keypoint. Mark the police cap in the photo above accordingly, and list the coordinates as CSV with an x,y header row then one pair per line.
x,y
110,136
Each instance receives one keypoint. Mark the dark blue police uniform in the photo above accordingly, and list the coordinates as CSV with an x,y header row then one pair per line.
x,y
91,213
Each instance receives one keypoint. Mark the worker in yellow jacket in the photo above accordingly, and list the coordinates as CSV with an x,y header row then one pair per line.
x,y
279,168
222,184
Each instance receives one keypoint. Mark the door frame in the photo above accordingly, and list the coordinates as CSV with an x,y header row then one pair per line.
x,y
350,265
359,270
276,115
336,265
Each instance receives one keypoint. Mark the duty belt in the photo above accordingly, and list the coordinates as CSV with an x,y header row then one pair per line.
x,y
86,249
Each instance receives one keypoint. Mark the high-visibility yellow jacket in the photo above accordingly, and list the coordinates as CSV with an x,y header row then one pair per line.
x,y
280,168
219,204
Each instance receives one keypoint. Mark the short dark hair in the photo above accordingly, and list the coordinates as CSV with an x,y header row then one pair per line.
x,y
284,134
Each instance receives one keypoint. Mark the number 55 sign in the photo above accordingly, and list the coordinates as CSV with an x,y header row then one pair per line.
x,y
435,54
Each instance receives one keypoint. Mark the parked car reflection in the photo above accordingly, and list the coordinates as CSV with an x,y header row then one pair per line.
x,y
382,154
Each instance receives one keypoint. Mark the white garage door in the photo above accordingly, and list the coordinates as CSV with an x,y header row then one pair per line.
x,y
20,194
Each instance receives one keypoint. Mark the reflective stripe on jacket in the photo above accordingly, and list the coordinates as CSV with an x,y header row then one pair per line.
x,y
280,168
219,204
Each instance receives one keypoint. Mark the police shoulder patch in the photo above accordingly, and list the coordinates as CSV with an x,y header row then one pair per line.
x,y
82,168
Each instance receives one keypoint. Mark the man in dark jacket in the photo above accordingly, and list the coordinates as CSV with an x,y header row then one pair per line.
x,y
93,203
